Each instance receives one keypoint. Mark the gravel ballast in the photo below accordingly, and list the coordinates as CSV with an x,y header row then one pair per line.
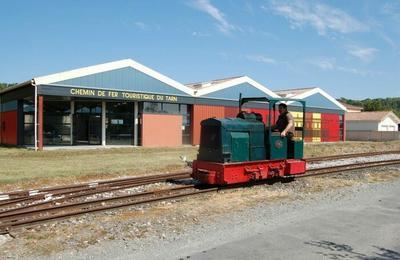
x,y
183,227
244,224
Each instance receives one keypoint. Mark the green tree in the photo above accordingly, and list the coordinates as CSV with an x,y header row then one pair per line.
x,y
6,85
376,104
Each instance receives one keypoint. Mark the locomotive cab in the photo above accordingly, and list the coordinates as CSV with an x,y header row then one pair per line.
x,y
231,140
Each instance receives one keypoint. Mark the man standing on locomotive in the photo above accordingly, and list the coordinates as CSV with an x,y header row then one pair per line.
x,y
285,122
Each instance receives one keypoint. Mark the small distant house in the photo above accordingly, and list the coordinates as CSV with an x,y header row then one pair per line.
x,y
372,126
372,121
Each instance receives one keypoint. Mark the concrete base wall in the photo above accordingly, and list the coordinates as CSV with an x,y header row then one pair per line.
x,y
379,136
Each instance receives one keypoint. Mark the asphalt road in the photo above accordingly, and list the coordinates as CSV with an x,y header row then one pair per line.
x,y
368,230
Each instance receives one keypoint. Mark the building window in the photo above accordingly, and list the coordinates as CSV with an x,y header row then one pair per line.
x,y
185,111
170,108
119,123
29,121
152,107
57,122
161,108
88,108
87,123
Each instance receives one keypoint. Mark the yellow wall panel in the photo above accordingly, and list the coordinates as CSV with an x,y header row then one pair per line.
x,y
297,114
316,116
316,139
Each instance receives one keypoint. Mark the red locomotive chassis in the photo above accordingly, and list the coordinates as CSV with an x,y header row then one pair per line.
x,y
230,173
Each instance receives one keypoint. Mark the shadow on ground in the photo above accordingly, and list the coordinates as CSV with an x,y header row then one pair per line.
x,y
334,250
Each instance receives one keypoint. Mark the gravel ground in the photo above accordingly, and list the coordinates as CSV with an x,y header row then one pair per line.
x,y
159,230
170,244
244,224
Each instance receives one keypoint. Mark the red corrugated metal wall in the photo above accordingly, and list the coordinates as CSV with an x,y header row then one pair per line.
x,y
201,112
263,112
9,127
231,111
330,127
328,131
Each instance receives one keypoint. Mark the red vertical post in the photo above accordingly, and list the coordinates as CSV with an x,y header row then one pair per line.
x,y
40,123
191,124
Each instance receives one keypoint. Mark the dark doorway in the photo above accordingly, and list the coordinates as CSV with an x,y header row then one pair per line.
x,y
87,123
119,123
57,122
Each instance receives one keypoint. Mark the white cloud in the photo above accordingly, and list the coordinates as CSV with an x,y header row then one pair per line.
x,y
321,17
392,10
261,58
142,26
364,54
222,23
323,63
360,72
200,34
326,63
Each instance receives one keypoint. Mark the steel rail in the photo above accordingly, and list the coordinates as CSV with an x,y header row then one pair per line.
x,y
346,156
345,167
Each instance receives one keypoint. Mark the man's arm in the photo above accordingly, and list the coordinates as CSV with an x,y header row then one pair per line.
x,y
289,126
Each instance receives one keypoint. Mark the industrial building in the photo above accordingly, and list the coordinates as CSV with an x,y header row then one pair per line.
x,y
127,103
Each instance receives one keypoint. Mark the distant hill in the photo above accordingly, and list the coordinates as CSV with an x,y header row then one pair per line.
x,y
376,104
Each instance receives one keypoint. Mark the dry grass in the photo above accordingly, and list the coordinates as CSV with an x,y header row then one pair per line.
x,y
388,176
21,168
325,149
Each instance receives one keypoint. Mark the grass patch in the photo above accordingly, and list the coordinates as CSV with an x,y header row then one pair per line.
x,y
326,149
21,167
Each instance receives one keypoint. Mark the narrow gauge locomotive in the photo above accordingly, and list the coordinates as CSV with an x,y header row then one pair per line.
x,y
244,149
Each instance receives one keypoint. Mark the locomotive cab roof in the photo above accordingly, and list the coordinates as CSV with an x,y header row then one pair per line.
x,y
228,121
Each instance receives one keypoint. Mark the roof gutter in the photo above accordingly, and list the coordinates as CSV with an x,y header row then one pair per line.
x,y
16,86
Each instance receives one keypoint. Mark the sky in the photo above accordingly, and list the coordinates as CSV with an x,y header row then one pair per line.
x,y
348,48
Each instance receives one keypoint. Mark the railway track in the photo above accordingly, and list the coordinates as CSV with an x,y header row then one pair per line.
x,y
32,216
346,156
72,200
37,216
84,189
